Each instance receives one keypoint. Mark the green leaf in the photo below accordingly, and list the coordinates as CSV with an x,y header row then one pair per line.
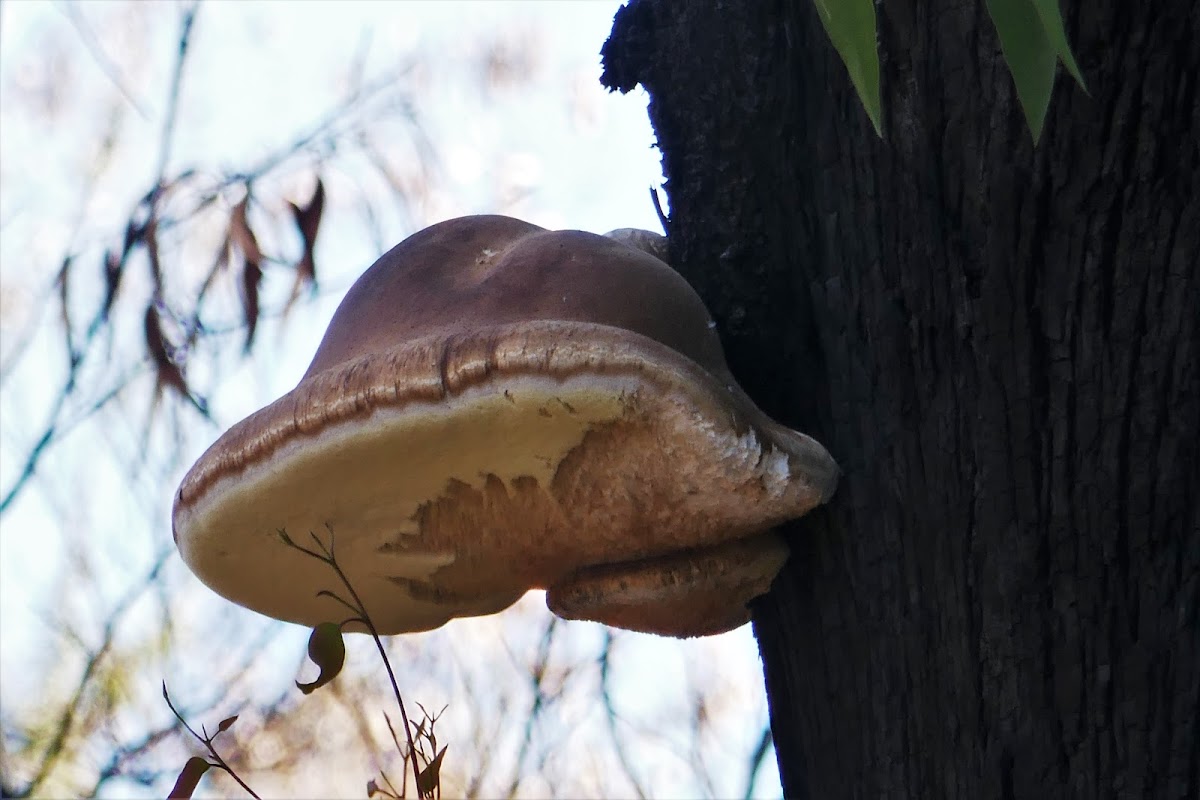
x,y
1052,24
327,651
850,25
1030,55
189,778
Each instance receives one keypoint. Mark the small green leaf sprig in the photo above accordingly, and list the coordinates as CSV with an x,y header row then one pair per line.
x,y
327,650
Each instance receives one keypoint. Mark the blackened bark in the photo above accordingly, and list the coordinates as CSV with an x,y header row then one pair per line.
x,y
1000,346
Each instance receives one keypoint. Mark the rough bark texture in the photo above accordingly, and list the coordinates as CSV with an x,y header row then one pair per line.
x,y
999,344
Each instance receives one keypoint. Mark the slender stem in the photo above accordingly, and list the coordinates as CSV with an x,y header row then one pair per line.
x,y
168,132
222,765
382,652
327,556
208,743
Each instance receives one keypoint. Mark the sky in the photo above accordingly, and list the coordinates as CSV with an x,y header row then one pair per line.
x,y
80,83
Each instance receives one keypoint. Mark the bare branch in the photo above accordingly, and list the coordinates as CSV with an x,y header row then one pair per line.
x,y
168,130
537,676
324,136
96,50
757,759
610,714
66,719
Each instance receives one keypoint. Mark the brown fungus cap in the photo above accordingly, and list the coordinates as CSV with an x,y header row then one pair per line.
x,y
495,408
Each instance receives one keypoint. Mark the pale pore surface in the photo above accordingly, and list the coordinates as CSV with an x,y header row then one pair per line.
x,y
371,482
513,479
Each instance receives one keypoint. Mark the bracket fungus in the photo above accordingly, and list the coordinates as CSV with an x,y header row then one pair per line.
x,y
495,408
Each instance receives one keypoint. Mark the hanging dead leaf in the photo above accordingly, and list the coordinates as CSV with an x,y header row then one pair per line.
x,y
308,221
167,372
150,240
241,234
251,277
189,778
243,238
113,268
63,279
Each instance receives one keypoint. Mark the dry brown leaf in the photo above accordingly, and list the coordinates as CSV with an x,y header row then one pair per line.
x,y
251,277
308,221
189,778
167,372
114,266
150,240
244,239
241,234
64,301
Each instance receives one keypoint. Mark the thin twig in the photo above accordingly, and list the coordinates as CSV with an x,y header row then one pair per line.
x,y
168,130
610,714
57,429
120,758
96,50
66,720
538,673
207,741
757,759
327,556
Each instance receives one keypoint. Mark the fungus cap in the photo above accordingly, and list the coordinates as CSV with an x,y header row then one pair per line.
x,y
495,408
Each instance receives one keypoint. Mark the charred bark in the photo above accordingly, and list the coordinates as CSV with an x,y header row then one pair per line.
x,y
1000,346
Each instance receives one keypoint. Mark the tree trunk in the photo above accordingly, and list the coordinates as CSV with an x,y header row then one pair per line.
x,y
998,343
